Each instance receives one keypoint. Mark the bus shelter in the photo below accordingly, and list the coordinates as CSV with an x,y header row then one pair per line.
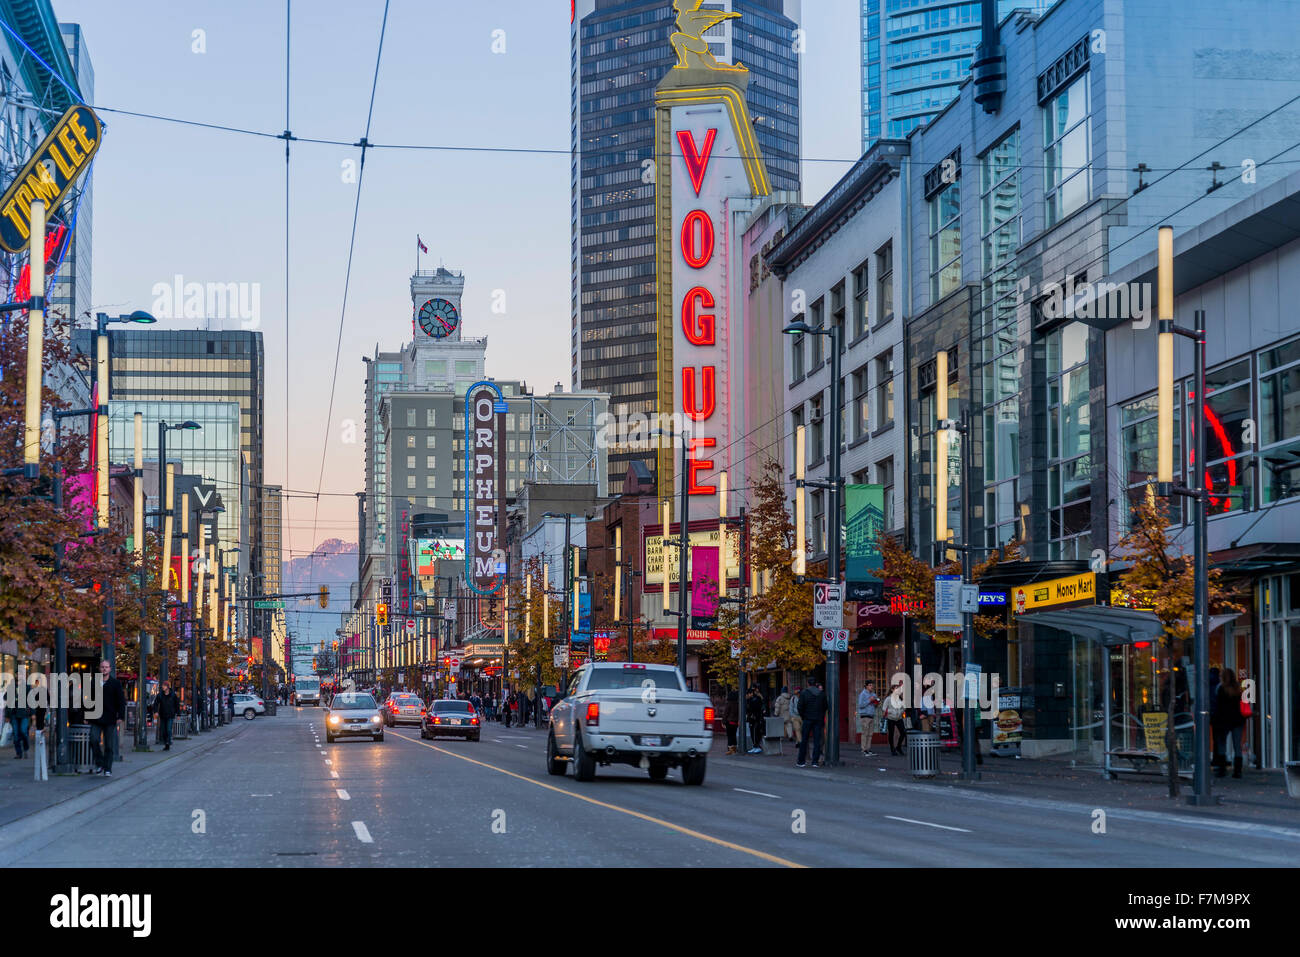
x,y
1121,683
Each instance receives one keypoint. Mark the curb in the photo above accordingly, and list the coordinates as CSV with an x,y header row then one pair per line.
x,y
23,828
1207,818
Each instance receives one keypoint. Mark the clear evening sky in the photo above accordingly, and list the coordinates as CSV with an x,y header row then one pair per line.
x,y
209,205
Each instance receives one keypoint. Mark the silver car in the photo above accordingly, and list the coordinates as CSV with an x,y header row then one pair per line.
x,y
353,713
403,708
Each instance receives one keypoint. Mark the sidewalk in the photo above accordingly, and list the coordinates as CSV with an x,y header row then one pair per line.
x,y
1257,797
21,795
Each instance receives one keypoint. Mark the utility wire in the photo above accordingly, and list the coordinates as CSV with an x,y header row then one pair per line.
x,y
347,276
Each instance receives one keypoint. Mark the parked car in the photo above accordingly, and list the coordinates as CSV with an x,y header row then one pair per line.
x,y
635,714
403,708
353,713
249,705
450,718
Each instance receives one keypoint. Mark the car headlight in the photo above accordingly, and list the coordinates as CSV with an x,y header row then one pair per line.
x,y
374,718
333,719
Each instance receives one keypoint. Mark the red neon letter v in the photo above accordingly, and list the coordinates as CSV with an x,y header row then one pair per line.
x,y
696,160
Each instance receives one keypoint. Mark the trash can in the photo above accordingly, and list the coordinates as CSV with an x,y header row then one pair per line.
x,y
1292,771
923,753
79,748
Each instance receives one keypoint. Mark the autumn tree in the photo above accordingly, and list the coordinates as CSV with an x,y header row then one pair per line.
x,y
778,625
1160,577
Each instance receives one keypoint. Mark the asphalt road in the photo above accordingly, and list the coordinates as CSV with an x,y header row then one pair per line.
x,y
275,793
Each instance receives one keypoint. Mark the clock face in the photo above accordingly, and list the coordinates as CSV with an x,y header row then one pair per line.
x,y
438,318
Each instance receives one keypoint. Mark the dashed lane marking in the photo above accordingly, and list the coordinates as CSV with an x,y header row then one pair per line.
x,y
942,827
759,793
363,834
699,835
343,795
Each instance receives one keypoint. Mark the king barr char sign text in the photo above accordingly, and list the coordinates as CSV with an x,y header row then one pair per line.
x,y
62,157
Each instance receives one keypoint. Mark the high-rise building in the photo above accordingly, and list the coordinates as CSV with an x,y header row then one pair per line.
x,y
619,52
915,54
175,374
270,622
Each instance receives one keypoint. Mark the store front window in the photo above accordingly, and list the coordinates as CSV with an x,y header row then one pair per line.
x,y
1278,682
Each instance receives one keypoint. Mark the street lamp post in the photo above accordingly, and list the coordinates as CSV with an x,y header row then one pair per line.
x,y
1197,490
834,485
167,515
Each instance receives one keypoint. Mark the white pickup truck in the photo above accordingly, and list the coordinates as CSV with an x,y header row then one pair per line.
x,y
634,714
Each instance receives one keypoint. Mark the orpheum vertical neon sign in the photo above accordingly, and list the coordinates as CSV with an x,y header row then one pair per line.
x,y
705,142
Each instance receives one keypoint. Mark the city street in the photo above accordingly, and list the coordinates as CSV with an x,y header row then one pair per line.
x,y
273,793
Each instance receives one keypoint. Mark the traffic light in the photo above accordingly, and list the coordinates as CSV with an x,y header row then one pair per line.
x,y
313,662
336,644
324,596
381,614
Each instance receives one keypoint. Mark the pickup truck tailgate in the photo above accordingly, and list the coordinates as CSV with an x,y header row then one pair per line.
x,y
669,713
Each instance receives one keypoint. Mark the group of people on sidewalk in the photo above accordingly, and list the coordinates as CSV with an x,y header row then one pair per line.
x,y
803,717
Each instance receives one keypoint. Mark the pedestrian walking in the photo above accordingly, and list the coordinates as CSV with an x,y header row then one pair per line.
x,y
796,719
41,766
1228,721
19,721
894,715
868,701
731,719
104,728
166,706
755,710
812,708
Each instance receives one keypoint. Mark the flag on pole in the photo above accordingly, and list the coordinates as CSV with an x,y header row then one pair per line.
x,y
420,243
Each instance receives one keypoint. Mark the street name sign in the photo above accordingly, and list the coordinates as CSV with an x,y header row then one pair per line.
x,y
268,603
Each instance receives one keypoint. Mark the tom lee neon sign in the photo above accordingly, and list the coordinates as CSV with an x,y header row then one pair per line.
x,y
697,244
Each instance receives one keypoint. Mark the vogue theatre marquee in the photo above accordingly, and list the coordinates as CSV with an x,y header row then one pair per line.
x,y
708,170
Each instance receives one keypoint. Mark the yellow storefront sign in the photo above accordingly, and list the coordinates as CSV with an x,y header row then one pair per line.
x,y
1054,592
654,554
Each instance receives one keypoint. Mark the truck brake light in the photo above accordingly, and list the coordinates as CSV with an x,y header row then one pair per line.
x,y
593,713
708,717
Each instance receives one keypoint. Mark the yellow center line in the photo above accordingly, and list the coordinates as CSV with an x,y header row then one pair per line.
x,y
784,862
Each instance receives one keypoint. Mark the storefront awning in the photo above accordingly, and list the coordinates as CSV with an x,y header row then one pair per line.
x,y
1108,625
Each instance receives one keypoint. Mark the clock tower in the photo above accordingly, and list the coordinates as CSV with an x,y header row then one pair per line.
x,y
440,356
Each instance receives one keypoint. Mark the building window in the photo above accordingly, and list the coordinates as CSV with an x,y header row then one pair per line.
x,y
410,461
838,312
885,389
430,418
885,283
430,462
796,422
1228,457
410,418
817,320
410,440
430,482
410,481
796,354
818,501
1068,152
1000,203
885,478
945,241
1069,474
1139,450
1279,412
465,367
861,301
429,442
818,448
861,423
430,502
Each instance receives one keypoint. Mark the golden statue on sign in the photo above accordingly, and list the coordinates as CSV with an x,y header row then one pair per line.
x,y
688,41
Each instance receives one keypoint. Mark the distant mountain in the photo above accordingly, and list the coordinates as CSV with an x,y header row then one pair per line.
x,y
334,563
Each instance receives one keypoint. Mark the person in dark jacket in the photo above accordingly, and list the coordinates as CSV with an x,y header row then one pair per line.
x,y
755,710
104,728
166,706
1227,721
812,707
731,719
